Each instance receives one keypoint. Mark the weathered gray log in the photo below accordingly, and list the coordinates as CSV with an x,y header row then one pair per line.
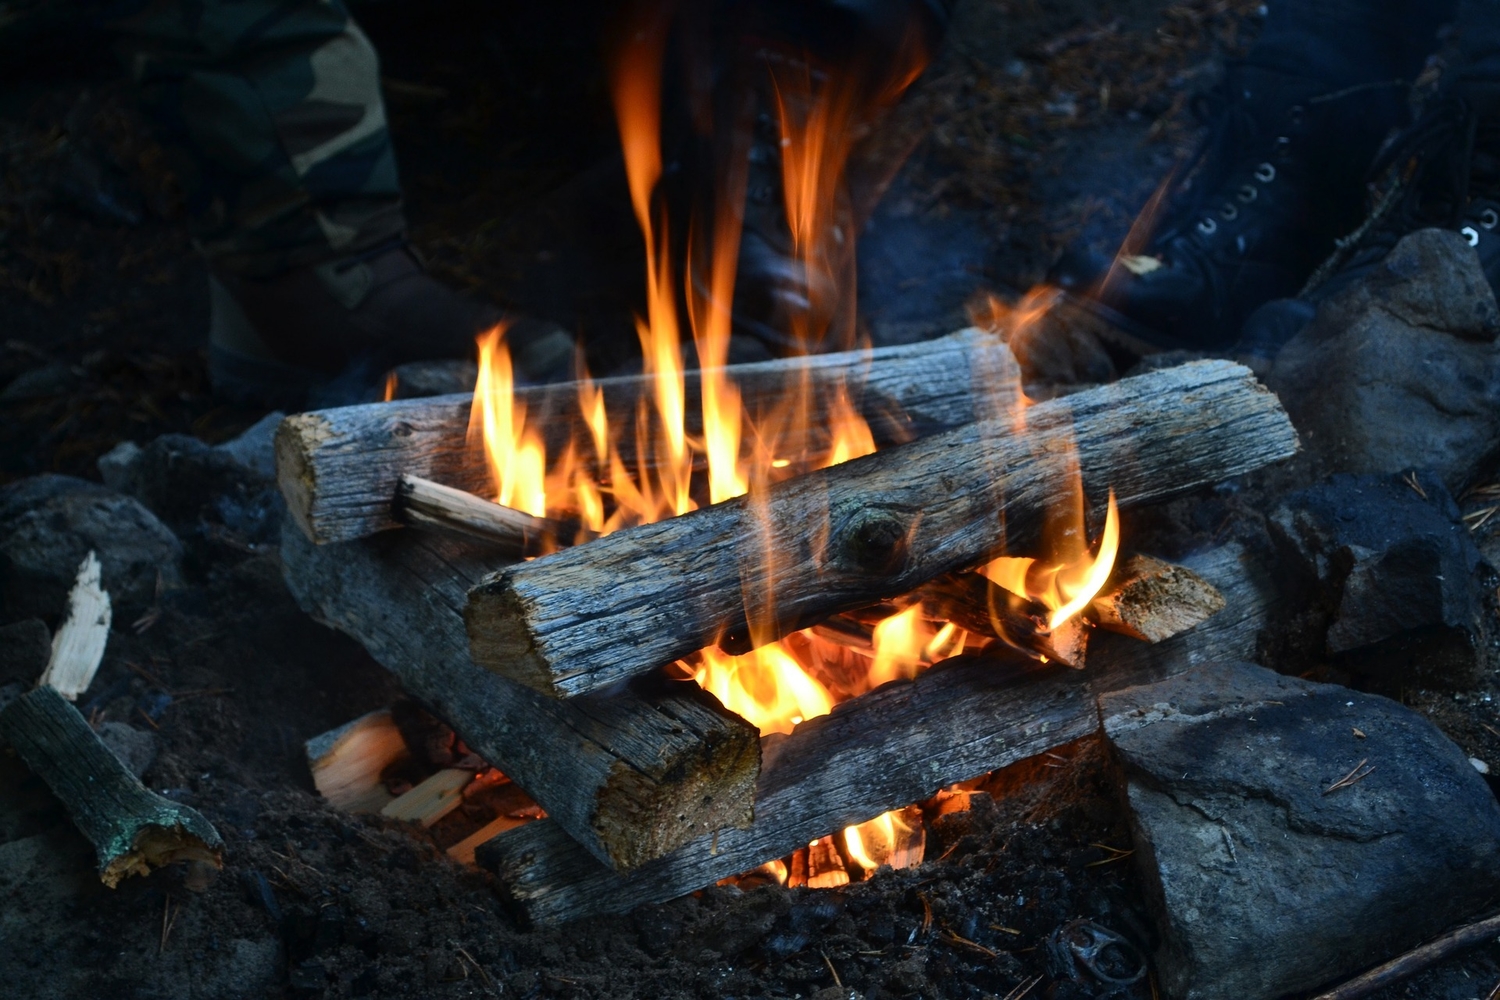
x,y
884,750
630,774
338,468
133,829
850,535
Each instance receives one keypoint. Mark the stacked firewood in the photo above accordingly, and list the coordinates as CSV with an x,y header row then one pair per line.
x,y
551,668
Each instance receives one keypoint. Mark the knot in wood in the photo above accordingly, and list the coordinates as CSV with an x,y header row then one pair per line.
x,y
874,540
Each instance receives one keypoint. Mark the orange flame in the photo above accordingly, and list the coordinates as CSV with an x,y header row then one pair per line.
x,y
803,675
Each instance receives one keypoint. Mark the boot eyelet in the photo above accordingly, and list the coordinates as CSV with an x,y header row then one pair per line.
x,y
1207,226
1471,234
1283,148
1230,211
1489,218
1265,173
1248,193
1296,114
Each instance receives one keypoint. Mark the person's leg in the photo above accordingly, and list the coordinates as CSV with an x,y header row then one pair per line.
x,y
272,113
1279,179
274,116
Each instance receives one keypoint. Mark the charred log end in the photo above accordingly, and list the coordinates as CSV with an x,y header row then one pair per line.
x,y
641,817
500,640
873,541
296,439
175,838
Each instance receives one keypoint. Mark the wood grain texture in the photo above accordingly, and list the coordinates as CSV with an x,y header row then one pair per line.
x,y
1154,600
878,526
133,829
631,774
882,751
338,468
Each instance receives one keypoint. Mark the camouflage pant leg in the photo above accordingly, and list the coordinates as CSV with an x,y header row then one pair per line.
x,y
272,110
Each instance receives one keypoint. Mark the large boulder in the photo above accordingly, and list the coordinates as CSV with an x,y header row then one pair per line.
x,y
1291,833
49,523
1402,369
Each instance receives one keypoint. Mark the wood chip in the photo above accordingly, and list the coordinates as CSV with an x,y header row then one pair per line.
x,y
78,647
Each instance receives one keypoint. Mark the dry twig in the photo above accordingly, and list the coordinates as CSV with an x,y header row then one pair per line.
x,y
831,970
1418,959
1353,777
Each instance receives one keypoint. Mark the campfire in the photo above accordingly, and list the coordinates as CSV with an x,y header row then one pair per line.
x,y
819,544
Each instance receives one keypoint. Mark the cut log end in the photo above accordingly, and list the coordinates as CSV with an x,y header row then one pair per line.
x,y
296,440
1155,600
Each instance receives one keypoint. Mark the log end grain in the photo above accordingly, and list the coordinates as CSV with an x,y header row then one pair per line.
x,y
1156,600
500,640
298,437
642,817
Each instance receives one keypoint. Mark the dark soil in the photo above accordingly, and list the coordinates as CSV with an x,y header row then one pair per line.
x,y
1041,122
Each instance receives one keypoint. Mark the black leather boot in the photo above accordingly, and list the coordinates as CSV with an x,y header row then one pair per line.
x,y
1276,180
1441,172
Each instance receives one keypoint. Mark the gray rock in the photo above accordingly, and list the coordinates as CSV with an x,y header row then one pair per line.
x,y
198,488
255,449
136,748
52,379
1387,578
25,649
1402,370
49,523
1263,880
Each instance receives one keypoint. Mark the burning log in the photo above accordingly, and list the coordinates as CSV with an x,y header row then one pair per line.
x,y
852,534
630,774
1155,600
882,751
339,469
133,829
976,605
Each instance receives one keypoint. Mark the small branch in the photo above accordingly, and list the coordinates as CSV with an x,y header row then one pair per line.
x,y
1416,960
421,503
133,829
1359,774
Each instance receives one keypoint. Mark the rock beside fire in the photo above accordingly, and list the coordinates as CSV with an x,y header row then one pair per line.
x,y
1387,579
1402,370
1292,833
49,523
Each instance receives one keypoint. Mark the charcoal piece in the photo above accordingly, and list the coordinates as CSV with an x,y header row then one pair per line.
x,y
1389,578
49,523
1401,370
1280,850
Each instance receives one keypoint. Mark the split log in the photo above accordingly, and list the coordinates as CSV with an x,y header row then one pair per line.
x,y
432,799
1153,600
346,763
338,469
977,605
78,646
422,503
847,536
884,750
630,774
133,829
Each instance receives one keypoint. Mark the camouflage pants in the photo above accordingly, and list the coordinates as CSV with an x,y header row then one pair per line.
x,y
272,115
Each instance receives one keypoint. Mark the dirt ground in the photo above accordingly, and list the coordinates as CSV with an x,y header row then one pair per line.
x,y
1040,123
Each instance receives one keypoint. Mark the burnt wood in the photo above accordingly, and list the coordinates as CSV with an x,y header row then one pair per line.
x,y
856,533
884,750
630,774
338,469
133,829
